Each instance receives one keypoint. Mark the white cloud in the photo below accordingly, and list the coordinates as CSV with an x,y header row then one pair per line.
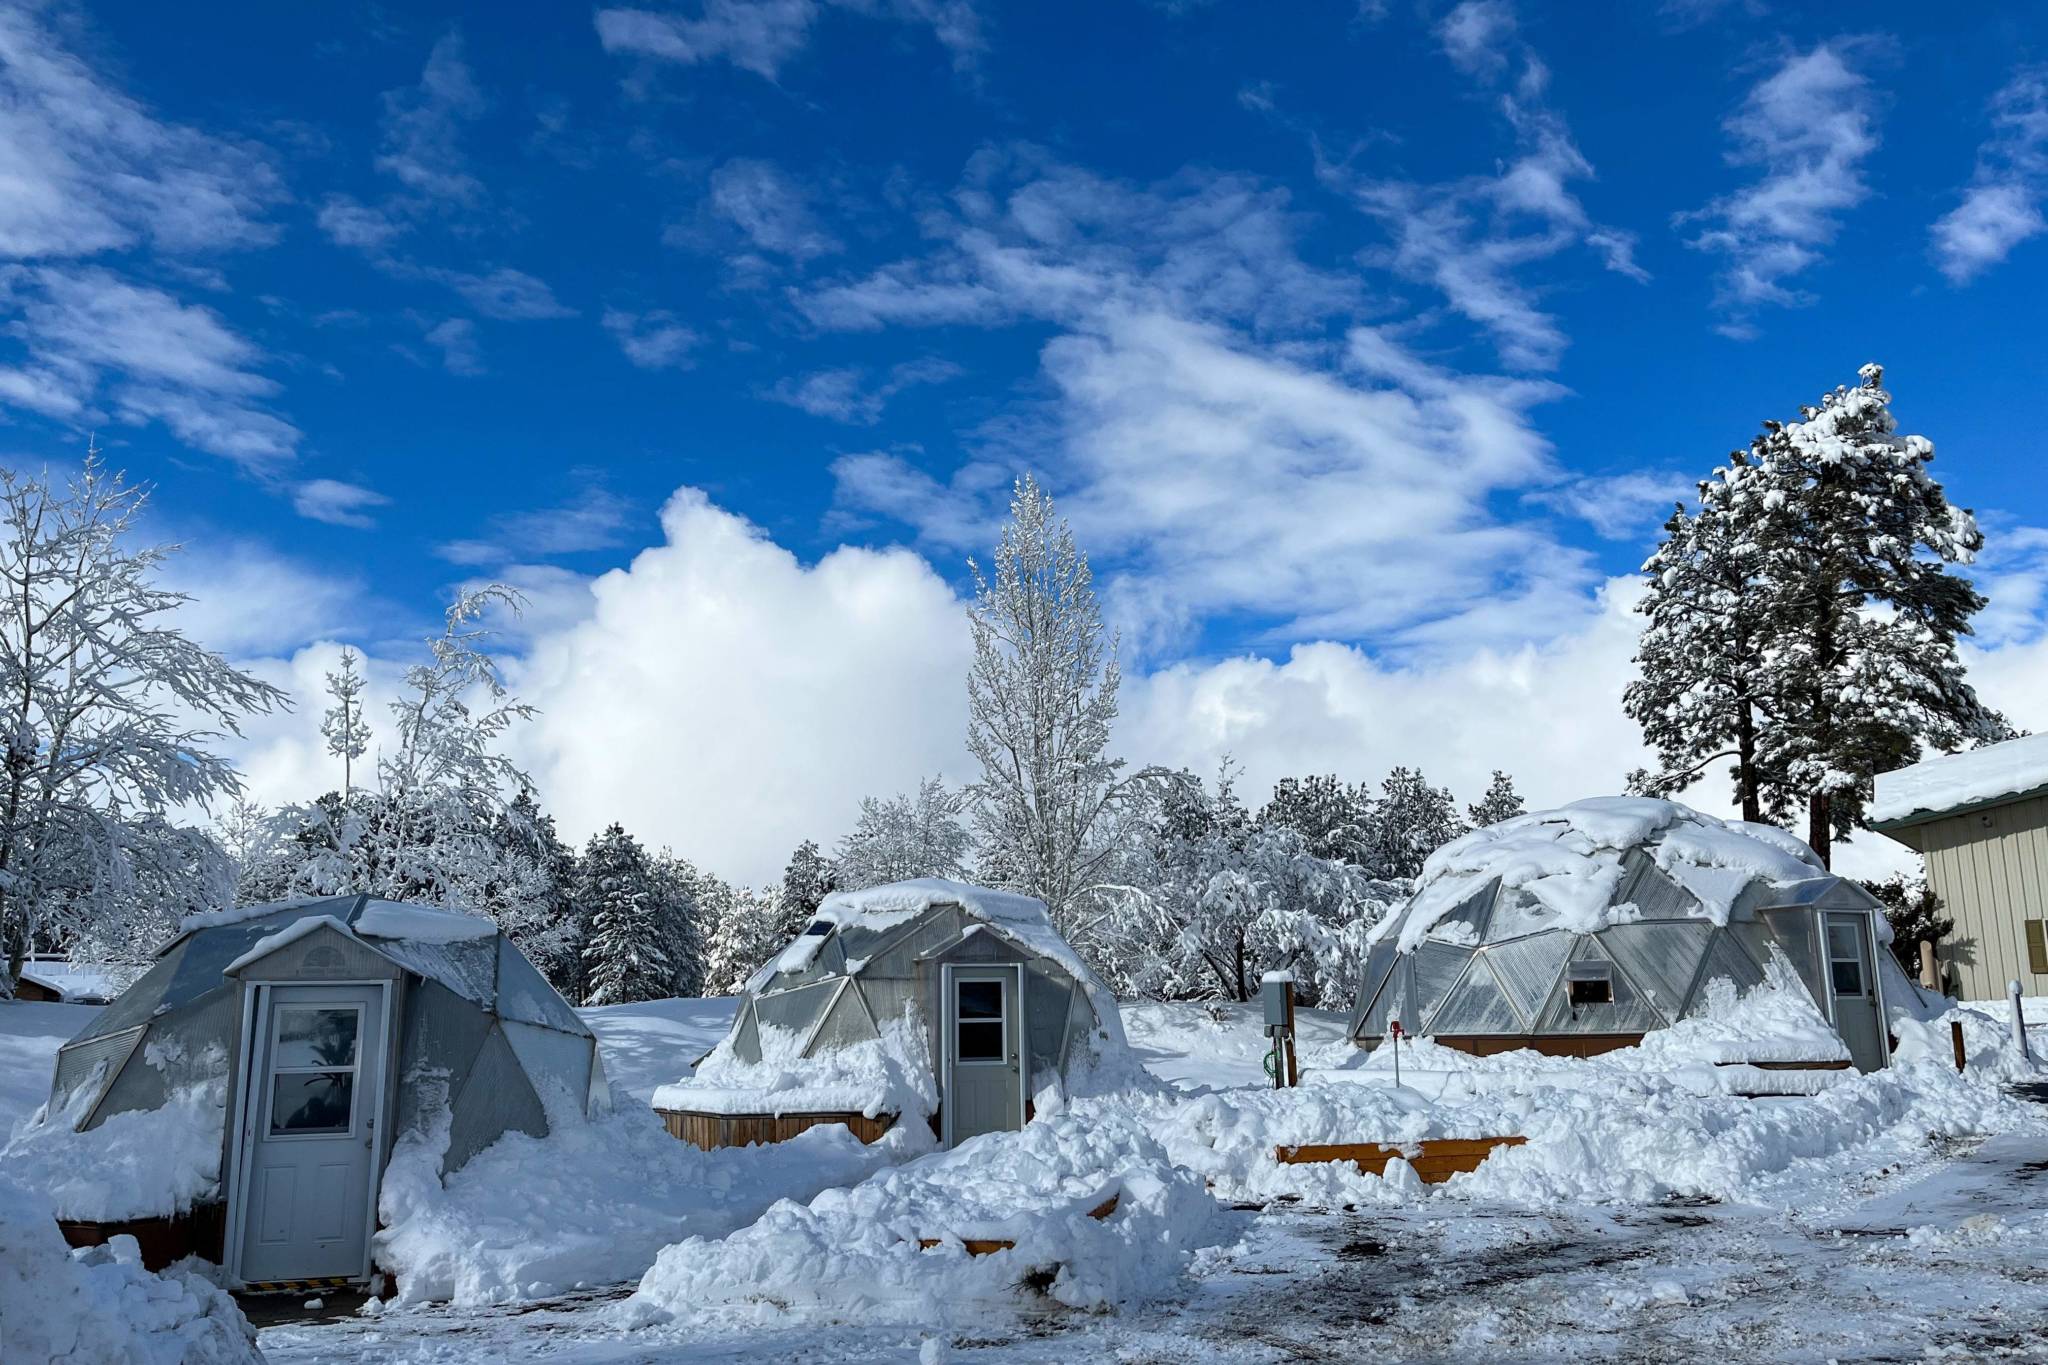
x,y
1807,127
350,223
1469,237
423,127
727,699
769,209
652,341
455,338
2002,206
89,169
90,336
1631,506
248,601
845,395
337,503
1476,34
762,35
505,294
594,519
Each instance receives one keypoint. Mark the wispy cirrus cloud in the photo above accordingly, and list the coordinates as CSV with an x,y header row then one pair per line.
x,y
594,519
423,127
653,340
337,502
847,395
761,36
2002,206
1472,237
1807,128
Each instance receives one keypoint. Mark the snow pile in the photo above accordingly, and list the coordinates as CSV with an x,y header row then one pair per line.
x,y
99,1304
138,1164
1561,869
891,1074
855,1253
592,1203
1954,780
1775,1021
420,923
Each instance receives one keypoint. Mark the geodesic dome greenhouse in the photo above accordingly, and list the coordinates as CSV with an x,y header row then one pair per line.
x,y
1581,929
322,1020
905,1000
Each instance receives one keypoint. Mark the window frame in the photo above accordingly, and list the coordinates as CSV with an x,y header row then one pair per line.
x,y
272,1071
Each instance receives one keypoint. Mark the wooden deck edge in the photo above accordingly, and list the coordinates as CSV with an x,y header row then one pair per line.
x,y
987,1246
1434,1160
1841,1065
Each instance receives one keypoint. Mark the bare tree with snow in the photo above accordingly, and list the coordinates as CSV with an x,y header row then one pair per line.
x,y
346,732
109,716
899,838
1051,804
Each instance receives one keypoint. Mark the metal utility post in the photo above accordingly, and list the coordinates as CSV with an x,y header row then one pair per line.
x,y
1394,1040
1276,995
2019,1020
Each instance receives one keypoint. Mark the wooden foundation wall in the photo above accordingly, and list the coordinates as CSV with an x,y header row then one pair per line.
x,y
1435,1159
711,1131
163,1241
1549,1044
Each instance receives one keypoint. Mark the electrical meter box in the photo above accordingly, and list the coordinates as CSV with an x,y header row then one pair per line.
x,y
1273,992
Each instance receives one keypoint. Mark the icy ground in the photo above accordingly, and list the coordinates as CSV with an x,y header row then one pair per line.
x,y
1891,1246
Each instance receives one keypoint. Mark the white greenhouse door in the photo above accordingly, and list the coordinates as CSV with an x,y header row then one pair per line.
x,y
984,1053
310,1131
1853,984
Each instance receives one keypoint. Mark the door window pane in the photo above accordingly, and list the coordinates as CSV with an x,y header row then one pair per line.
x,y
980,1041
315,1037
312,1102
1845,956
981,999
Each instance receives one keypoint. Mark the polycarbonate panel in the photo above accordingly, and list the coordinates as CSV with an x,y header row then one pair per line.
x,y
1437,968
896,962
137,1087
469,967
600,1099
1528,968
493,1099
1628,1012
137,1005
1477,1004
209,951
89,1064
1793,931
1662,959
1725,961
889,997
442,1033
1390,1003
525,995
746,1039
1655,895
844,1024
858,943
1378,963
557,1064
1754,938
1475,912
1081,1026
983,947
1045,1015
794,1010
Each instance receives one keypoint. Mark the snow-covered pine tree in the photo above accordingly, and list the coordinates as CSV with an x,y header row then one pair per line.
x,y
1916,919
807,879
1051,803
539,912
346,731
675,881
1334,819
109,718
900,838
1862,672
258,853
1501,802
624,957
1410,821
746,929
1698,695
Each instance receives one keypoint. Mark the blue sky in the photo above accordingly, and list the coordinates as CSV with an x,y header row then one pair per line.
x,y
1364,345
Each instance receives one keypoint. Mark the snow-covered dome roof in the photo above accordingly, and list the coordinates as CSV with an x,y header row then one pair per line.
x,y
1595,863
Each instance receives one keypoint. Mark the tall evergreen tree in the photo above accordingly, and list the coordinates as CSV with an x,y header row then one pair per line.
x,y
1334,819
1501,802
1699,695
1862,672
1410,821
624,958
1051,803
675,882
537,909
808,878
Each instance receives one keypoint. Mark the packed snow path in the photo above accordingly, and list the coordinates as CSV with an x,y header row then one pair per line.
x,y
1850,1282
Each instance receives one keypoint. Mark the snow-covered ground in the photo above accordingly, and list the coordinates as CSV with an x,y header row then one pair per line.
x,y
1893,1216
30,1034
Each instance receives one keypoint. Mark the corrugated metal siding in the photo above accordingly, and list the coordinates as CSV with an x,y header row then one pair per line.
x,y
1991,880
